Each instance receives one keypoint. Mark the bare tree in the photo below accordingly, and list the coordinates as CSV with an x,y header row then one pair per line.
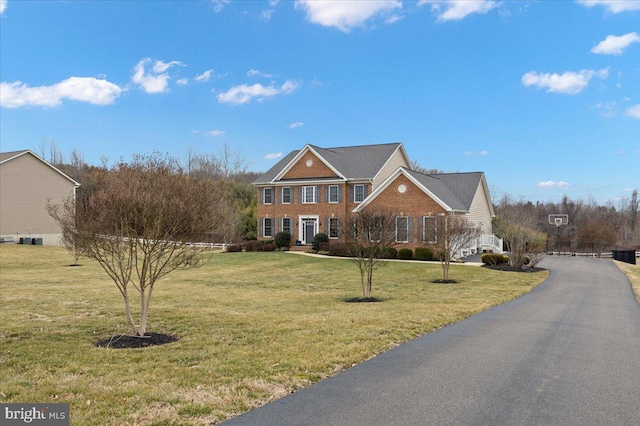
x,y
597,235
454,233
415,165
139,221
369,235
517,227
231,162
64,215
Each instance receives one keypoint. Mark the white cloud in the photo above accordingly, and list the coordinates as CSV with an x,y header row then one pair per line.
x,y
570,83
243,93
182,82
205,76
265,15
634,111
553,184
455,10
614,6
195,132
478,154
84,89
614,45
155,81
256,73
296,124
218,5
3,6
346,14
215,133
272,156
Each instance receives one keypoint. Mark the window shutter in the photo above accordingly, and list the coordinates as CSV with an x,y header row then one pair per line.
x,y
326,193
421,230
339,195
261,227
351,193
339,222
317,194
365,190
261,195
410,220
300,194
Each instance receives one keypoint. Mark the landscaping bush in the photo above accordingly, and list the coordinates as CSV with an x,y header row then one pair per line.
x,y
423,253
320,237
251,246
405,253
493,259
337,249
283,240
234,248
391,253
267,245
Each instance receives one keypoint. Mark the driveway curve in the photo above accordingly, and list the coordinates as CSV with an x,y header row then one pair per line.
x,y
568,353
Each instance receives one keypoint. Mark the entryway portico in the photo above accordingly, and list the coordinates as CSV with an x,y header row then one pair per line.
x,y
307,228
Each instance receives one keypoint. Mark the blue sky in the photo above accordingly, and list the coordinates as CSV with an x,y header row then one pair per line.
x,y
543,96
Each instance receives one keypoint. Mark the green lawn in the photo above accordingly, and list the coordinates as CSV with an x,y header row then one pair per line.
x,y
252,326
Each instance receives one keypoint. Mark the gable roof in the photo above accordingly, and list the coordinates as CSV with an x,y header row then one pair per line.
x,y
8,156
361,162
453,191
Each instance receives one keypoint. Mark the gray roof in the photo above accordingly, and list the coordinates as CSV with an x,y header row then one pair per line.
x,y
454,189
4,156
353,162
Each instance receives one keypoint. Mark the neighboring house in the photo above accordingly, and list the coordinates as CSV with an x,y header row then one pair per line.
x,y
26,183
316,189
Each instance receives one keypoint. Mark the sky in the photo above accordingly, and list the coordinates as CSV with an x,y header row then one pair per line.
x,y
542,96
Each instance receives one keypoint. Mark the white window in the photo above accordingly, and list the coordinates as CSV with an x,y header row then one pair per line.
x,y
333,227
430,229
286,225
267,195
402,229
358,193
309,194
286,195
333,193
267,227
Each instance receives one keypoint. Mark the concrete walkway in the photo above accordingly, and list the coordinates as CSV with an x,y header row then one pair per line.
x,y
568,353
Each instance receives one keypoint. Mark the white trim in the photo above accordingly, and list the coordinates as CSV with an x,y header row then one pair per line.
x,y
298,156
407,229
315,194
354,193
301,220
264,202
392,177
264,227
282,194
337,187
337,227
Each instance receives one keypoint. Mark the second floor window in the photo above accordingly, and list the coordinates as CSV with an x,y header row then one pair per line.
x,y
267,195
333,193
286,195
358,193
309,194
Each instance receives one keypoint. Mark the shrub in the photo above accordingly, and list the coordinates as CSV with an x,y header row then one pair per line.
x,y
405,253
234,248
391,253
267,246
494,259
320,237
283,239
251,245
423,253
337,249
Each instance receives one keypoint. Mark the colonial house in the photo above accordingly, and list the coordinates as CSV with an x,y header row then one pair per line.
x,y
26,183
316,189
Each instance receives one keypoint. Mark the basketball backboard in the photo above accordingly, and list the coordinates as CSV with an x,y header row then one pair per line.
x,y
558,219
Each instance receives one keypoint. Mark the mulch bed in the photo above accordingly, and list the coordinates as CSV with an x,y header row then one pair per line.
x,y
441,281
363,300
126,341
508,268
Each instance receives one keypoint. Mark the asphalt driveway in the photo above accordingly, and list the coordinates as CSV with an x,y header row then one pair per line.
x,y
568,353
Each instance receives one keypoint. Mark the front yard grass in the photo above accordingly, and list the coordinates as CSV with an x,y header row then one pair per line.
x,y
633,274
252,326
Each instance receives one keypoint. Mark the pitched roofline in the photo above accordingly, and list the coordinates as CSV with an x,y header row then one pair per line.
x,y
404,154
403,171
299,155
487,194
28,151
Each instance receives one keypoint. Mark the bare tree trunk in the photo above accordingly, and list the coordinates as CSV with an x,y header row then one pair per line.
x,y
127,309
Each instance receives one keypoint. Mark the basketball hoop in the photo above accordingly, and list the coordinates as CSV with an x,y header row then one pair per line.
x,y
558,221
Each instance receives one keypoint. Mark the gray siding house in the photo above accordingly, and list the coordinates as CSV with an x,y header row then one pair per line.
x,y
26,183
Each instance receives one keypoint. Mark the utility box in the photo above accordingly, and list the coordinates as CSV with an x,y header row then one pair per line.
x,y
627,256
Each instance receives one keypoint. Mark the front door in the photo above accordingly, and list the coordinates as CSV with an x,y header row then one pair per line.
x,y
309,230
